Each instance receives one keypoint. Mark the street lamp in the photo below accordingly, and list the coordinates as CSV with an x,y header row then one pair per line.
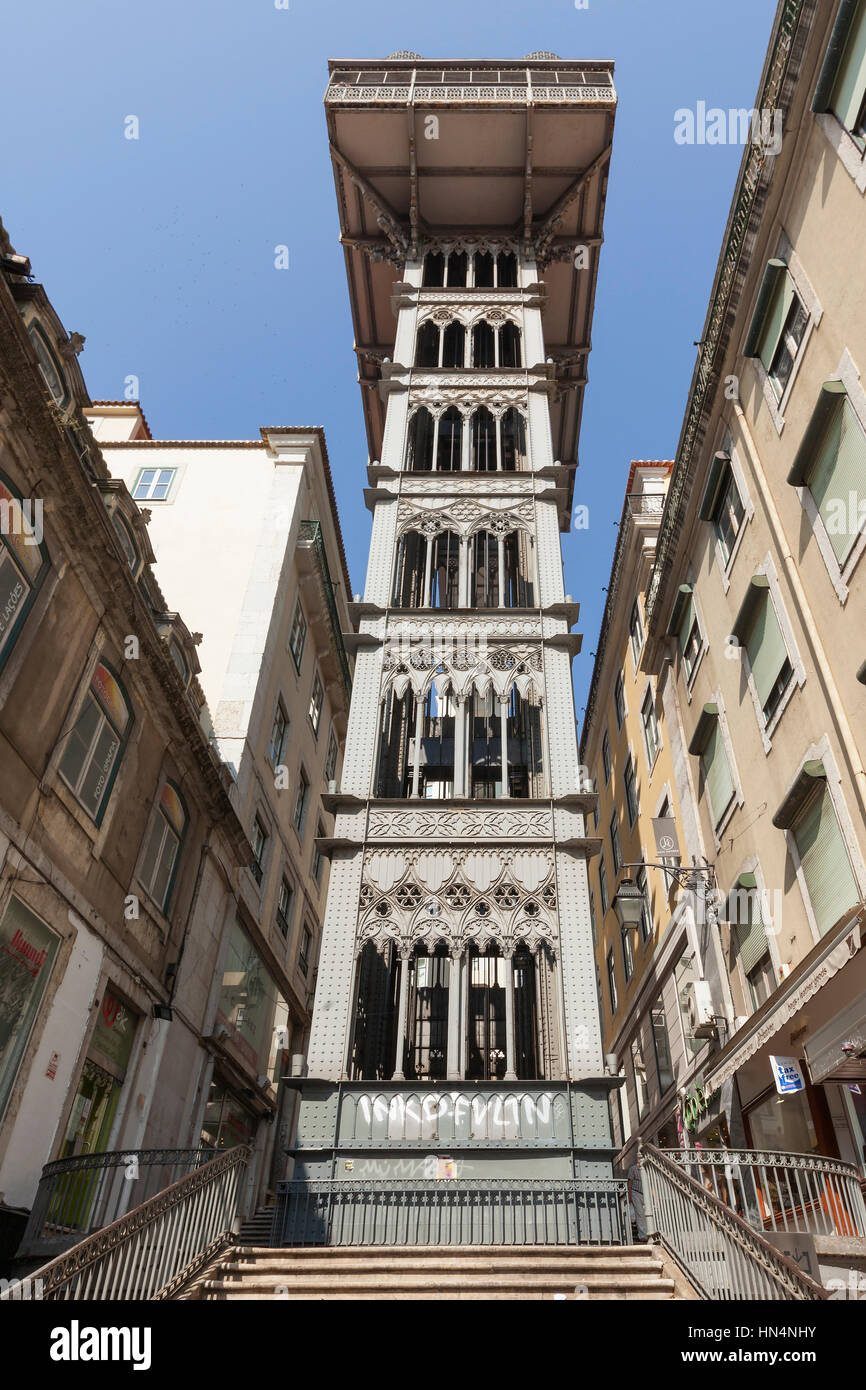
x,y
629,904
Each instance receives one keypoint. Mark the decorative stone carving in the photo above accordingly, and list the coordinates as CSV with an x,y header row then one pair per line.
x,y
458,670
459,823
465,515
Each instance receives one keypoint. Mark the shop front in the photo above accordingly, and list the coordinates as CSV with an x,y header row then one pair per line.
x,y
27,952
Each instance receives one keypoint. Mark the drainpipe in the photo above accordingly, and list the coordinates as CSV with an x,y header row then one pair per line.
x,y
834,698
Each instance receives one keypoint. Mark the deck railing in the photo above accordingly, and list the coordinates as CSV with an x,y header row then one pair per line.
x,y
722,1255
153,1249
79,1195
781,1191
473,1211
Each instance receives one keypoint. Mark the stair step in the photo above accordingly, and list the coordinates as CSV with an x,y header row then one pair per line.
x,y
462,1268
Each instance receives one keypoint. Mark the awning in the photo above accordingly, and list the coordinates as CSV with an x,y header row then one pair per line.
x,y
774,269
718,467
684,595
708,714
755,591
828,400
808,778
838,1050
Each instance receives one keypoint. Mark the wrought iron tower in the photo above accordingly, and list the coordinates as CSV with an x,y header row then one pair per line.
x,y
455,1036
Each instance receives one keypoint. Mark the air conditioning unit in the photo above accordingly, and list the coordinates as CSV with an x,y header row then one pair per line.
x,y
699,1006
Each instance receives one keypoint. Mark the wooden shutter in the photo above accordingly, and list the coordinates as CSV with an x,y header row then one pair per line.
x,y
766,647
824,859
717,773
850,85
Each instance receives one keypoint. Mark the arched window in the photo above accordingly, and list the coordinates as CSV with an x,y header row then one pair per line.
x,y
434,759
449,443
394,768
127,544
484,570
445,571
163,846
483,345
487,1042
457,269
506,270
453,344
518,589
95,741
483,441
427,346
518,724
483,270
374,1042
513,440
427,1015
410,571
23,563
525,1015
509,345
420,449
434,270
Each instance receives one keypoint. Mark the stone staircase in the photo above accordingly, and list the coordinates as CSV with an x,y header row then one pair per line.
x,y
256,1230
444,1272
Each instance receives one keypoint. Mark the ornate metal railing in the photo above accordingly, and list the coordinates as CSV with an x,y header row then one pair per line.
x,y
155,1248
582,87
723,1257
472,1211
310,532
79,1195
780,1191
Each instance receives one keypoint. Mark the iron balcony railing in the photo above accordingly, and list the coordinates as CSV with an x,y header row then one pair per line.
x,y
79,1195
155,1248
723,1257
781,1191
474,1211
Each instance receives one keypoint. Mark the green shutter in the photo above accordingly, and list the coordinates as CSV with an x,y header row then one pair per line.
x,y
717,773
777,312
850,85
766,647
824,859
837,479
744,912
685,626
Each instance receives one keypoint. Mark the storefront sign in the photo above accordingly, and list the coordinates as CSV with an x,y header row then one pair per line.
x,y
787,1075
665,831
53,1064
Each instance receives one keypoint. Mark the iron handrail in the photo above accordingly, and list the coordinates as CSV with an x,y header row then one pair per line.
x,y
721,1254
156,1247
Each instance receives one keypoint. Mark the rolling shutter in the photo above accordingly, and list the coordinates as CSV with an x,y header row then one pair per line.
x,y
765,646
850,85
838,475
824,859
719,783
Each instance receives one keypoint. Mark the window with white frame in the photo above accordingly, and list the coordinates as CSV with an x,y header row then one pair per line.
x,y
646,918
331,759
649,720
317,700
317,854
279,734
750,941
153,484
619,700
627,953
758,630
304,950
94,744
842,82
161,851
23,565
301,800
298,635
723,507
685,626
602,884
809,815
778,326
831,464
630,782
605,757
260,848
284,906
611,981
615,846
636,633
709,746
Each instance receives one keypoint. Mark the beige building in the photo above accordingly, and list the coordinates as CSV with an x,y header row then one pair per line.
x,y
757,605
266,584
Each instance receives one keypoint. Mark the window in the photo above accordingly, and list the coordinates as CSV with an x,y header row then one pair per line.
x,y
661,1043
615,846
749,940
301,801
260,844
52,374
277,741
848,94
778,326
602,884
127,544
627,954
638,1064
690,642
619,700
284,906
630,780
715,768
835,472
23,565
650,724
331,759
94,744
646,919
153,484
824,861
684,974
317,700
788,346
635,633
611,980
317,854
304,951
163,846
298,635
27,952
605,757
727,515
762,639
592,918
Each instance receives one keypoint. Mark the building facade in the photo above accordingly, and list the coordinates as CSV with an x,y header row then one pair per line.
x,y
119,847
455,1029
270,598
756,604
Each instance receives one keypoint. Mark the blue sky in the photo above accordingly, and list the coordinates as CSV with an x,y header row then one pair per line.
x,y
161,250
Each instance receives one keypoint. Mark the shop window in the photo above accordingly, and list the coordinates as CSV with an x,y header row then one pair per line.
x,y
641,1087
27,952
661,1043
96,741
227,1122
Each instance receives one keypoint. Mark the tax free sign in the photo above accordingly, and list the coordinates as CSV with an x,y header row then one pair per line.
x,y
787,1075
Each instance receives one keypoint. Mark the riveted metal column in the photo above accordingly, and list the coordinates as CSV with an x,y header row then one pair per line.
x,y
453,1060
503,738
510,1067
405,954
